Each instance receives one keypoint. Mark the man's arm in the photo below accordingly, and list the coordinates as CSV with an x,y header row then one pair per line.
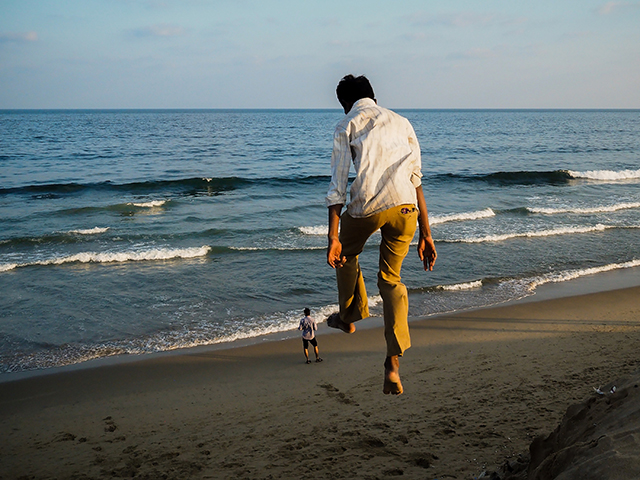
x,y
426,247
334,250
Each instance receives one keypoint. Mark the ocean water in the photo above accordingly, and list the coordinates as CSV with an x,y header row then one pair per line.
x,y
144,231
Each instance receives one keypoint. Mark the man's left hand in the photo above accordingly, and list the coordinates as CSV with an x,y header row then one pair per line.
x,y
427,252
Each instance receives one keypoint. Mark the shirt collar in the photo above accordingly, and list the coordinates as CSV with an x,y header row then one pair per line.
x,y
364,102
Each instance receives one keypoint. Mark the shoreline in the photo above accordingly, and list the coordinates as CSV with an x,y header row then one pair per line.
x,y
479,387
600,282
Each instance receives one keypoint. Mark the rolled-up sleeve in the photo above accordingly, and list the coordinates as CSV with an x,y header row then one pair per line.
x,y
416,172
340,165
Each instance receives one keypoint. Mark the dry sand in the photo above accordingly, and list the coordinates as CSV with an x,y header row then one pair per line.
x,y
479,387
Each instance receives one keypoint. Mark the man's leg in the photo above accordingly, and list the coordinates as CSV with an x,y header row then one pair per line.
x,y
314,342
397,232
352,294
305,347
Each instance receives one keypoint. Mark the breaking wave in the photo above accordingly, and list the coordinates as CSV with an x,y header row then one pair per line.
x,y
581,272
552,177
89,231
601,209
458,217
113,257
460,286
183,186
315,231
151,204
606,175
321,230
541,233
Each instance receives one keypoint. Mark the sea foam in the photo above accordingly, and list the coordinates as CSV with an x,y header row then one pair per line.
x,y
277,249
89,231
319,230
541,233
461,286
113,257
458,217
591,210
151,204
581,272
606,175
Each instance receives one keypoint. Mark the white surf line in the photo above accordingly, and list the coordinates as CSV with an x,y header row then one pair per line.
x,y
115,257
606,175
542,233
602,209
89,231
458,217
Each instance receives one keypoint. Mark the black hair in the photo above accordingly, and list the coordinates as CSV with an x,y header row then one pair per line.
x,y
351,89
307,311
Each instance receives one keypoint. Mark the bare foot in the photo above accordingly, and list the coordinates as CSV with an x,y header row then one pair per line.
x,y
334,322
392,383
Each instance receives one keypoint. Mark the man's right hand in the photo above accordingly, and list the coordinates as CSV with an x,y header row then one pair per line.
x,y
334,251
334,254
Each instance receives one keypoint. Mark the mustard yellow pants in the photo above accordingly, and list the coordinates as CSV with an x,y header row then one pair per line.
x,y
397,227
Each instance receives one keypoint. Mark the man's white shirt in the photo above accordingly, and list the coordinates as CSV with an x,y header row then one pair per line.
x,y
386,156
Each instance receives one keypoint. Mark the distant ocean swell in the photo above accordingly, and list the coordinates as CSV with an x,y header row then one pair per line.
x,y
542,177
82,236
126,208
197,185
72,236
183,186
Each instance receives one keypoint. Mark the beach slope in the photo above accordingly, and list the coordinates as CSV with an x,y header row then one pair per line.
x,y
480,387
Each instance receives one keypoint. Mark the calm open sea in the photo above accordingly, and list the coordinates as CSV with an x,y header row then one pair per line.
x,y
144,231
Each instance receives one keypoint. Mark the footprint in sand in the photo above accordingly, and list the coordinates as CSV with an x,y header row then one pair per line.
x,y
64,437
337,394
109,425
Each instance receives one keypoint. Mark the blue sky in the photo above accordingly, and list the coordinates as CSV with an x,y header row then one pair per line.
x,y
291,54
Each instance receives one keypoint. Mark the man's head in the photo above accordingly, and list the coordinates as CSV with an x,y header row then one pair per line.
x,y
351,89
307,312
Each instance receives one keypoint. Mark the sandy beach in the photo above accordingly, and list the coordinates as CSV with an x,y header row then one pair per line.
x,y
480,386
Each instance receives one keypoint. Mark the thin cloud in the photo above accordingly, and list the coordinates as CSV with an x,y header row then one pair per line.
x,y
21,37
474,53
613,7
162,30
329,22
457,20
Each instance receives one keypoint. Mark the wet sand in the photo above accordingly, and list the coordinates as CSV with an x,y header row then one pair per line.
x,y
480,386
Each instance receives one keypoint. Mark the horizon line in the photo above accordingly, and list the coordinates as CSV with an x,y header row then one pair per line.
x,y
205,109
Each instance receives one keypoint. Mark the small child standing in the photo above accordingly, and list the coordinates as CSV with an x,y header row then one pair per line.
x,y
308,326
